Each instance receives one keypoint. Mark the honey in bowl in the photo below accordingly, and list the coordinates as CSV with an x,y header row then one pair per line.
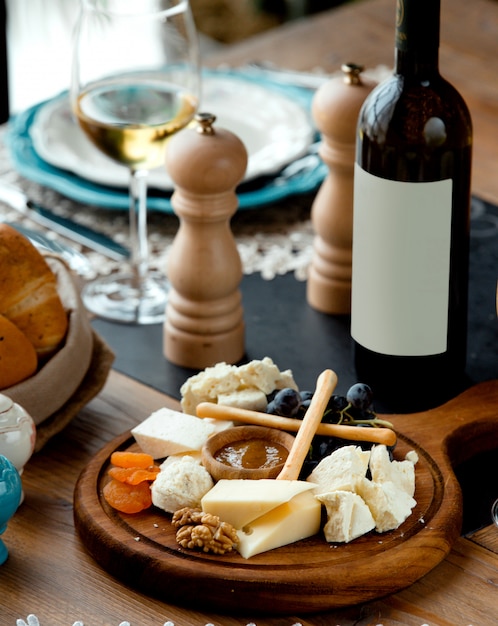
x,y
251,452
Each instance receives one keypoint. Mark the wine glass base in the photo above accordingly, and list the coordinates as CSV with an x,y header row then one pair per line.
x,y
494,512
117,298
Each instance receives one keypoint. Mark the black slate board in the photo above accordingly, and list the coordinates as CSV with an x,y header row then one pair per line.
x,y
281,324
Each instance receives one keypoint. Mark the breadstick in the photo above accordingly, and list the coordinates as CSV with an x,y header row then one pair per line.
x,y
325,386
382,435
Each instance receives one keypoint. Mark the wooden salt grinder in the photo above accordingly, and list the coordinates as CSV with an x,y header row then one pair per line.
x,y
335,109
204,321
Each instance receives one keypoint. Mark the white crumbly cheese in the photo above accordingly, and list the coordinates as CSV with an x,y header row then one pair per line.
x,y
388,495
250,398
245,386
383,470
390,506
181,484
348,516
411,456
206,385
341,470
265,375
195,455
168,432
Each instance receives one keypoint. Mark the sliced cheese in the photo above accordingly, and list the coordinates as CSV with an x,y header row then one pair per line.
x,y
240,501
168,432
389,504
292,521
340,470
218,425
348,517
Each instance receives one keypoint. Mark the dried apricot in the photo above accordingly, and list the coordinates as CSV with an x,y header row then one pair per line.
x,y
131,459
127,498
133,475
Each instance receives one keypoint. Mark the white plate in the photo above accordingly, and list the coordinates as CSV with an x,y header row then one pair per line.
x,y
274,128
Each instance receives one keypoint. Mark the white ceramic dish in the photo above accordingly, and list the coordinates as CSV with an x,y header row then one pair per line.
x,y
275,129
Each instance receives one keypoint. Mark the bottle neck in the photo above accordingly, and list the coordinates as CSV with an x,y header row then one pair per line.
x,y
417,37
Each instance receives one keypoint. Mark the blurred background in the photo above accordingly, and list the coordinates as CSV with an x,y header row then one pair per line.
x,y
38,35
231,20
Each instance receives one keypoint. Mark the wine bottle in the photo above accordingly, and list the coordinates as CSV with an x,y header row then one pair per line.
x,y
411,224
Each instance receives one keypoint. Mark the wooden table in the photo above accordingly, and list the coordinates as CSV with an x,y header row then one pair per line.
x,y
363,32
49,572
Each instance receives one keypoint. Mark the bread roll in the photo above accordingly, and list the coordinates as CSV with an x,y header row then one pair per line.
x,y
28,293
18,358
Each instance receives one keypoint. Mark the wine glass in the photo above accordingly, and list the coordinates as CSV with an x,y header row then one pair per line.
x,y
135,82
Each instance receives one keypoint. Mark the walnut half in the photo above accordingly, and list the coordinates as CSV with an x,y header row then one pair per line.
x,y
203,531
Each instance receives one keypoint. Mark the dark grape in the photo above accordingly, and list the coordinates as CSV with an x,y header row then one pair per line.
x,y
306,396
360,414
360,396
337,403
270,408
271,395
333,411
286,403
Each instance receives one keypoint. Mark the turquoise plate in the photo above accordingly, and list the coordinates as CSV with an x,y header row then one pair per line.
x,y
299,177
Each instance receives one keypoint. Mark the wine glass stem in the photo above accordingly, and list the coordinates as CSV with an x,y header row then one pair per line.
x,y
138,227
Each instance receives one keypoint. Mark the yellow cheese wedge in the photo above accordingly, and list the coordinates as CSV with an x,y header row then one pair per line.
x,y
241,501
292,521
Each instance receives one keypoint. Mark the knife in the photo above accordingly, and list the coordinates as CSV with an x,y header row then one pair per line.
x,y
17,199
76,260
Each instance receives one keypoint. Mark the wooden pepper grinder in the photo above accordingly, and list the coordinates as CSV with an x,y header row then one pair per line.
x,y
335,109
204,321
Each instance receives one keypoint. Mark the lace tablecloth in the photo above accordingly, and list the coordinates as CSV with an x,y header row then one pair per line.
x,y
32,620
271,240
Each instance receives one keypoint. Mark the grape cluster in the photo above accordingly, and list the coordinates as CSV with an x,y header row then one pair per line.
x,y
353,409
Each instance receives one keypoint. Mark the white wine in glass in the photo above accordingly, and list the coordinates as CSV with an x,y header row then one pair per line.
x,y
135,82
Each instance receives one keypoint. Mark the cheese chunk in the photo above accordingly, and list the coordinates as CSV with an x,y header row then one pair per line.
x,y
249,398
383,470
292,521
389,504
168,432
206,385
348,517
194,455
234,386
341,470
265,375
180,484
240,501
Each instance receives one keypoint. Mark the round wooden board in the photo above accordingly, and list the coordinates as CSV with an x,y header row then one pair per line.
x,y
310,575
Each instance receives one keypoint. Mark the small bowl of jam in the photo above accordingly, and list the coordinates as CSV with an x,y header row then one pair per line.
x,y
251,452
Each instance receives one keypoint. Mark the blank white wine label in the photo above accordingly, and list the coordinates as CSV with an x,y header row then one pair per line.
x,y
401,265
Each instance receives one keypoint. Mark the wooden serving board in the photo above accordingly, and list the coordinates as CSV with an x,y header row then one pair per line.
x,y
309,575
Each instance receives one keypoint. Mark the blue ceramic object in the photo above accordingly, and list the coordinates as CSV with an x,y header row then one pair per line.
x,y
10,498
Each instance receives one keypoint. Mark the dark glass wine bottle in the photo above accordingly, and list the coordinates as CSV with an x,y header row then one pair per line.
x,y
411,224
